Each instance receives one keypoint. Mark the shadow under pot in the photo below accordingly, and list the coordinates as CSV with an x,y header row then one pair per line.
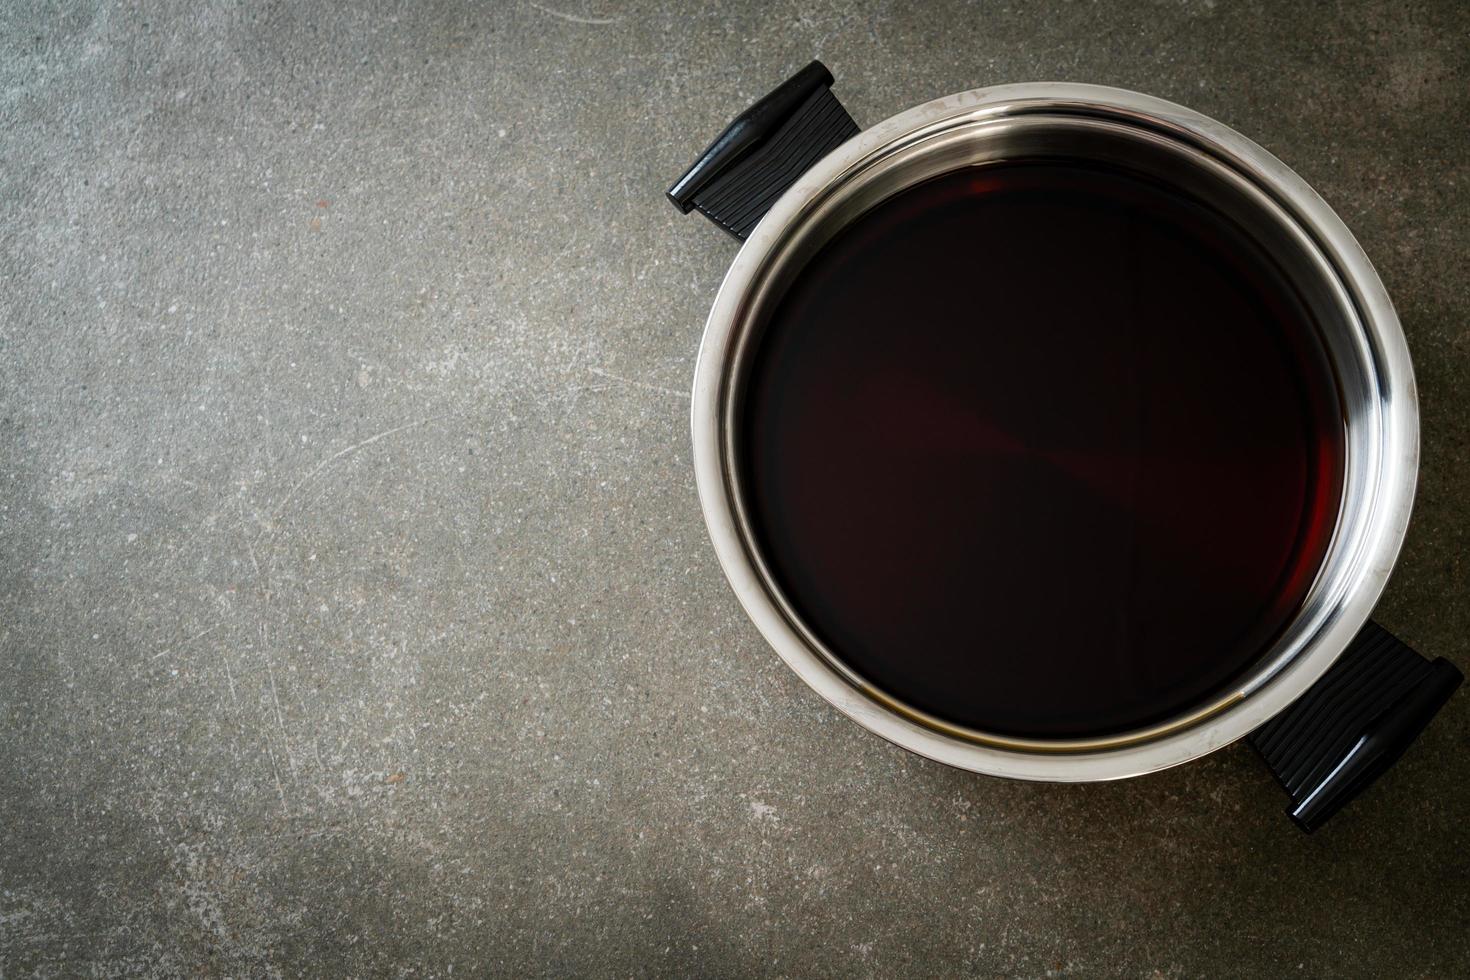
x,y
1058,432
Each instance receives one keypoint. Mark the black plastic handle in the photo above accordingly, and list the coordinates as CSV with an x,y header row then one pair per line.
x,y
1353,724
763,152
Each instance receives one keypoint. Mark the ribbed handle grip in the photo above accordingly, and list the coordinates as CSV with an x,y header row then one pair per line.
x,y
764,150
1353,724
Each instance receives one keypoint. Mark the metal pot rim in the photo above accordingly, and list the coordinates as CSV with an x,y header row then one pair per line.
x,y
1388,463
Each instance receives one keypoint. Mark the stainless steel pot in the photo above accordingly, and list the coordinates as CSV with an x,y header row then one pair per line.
x,y
1365,344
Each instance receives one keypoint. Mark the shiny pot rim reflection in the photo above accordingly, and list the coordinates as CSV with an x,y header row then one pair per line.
x,y
1082,122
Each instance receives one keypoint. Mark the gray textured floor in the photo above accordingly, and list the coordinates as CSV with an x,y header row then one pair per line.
x,y
356,613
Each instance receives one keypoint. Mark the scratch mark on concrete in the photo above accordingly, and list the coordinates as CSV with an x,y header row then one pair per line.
x,y
231,678
639,384
276,769
575,18
291,494
249,545
197,636
270,671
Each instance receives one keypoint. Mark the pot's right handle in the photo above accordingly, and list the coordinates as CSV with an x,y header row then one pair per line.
x,y
1353,724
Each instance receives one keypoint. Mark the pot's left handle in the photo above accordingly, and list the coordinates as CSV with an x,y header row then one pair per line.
x,y
764,150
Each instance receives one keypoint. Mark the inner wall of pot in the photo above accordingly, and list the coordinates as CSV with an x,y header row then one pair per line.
x,y
1152,154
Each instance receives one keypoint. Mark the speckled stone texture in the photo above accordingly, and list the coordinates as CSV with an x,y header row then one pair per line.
x,y
356,612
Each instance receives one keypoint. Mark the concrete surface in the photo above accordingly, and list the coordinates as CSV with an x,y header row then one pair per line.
x,y
356,613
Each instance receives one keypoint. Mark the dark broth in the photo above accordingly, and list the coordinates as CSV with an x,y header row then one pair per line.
x,y
1043,449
